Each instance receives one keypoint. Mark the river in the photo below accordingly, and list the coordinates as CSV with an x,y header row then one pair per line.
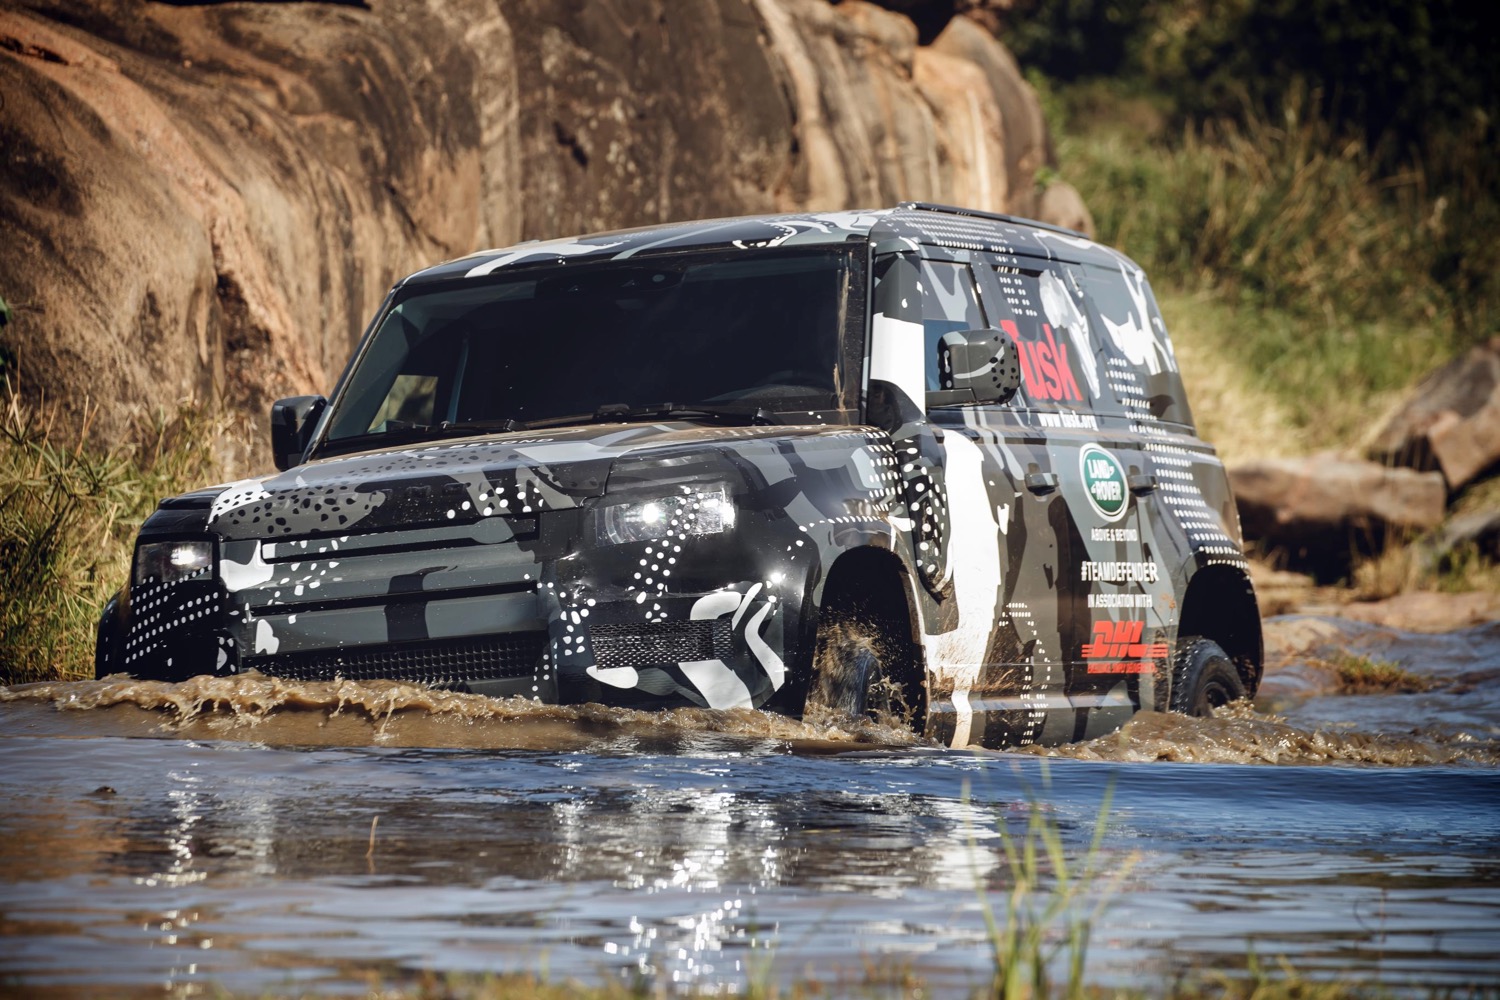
x,y
248,835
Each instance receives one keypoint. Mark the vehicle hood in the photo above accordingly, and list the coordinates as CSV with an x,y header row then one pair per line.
x,y
460,481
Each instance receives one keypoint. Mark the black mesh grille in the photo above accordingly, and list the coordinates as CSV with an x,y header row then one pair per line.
x,y
675,642
439,662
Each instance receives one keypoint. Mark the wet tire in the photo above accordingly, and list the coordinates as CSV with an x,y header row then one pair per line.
x,y
1204,678
858,660
847,669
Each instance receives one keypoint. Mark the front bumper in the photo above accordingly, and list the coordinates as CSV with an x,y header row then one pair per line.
x,y
503,607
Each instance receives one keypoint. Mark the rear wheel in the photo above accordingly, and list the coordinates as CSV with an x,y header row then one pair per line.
x,y
1203,678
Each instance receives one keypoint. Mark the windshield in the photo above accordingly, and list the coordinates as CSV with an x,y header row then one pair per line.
x,y
757,330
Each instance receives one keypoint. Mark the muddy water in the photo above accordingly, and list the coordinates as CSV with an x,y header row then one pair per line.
x,y
264,837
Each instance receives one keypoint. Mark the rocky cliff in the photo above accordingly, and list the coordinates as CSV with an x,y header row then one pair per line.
x,y
208,201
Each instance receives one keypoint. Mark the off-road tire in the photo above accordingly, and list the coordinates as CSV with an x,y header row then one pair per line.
x,y
1203,678
856,663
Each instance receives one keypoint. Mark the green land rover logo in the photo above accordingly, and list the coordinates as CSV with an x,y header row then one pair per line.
x,y
1103,481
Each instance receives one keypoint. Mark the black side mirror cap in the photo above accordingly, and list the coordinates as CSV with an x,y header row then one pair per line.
x,y
978,366
292,423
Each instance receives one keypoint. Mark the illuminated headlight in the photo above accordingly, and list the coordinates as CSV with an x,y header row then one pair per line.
x,y
696,512
170,562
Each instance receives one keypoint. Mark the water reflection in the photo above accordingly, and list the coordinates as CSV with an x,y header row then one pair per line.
x,y
233,863
274,837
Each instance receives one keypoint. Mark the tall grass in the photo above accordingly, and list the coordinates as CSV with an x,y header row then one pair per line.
x,y
68,517
1335,286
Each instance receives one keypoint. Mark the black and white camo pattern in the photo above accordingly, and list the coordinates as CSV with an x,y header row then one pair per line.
x,y
984,507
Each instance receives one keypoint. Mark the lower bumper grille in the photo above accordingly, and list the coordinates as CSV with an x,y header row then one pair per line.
x,y
438,662
670,642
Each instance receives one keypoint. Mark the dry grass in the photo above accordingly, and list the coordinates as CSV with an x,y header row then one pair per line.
x,y
1481,496
68,518
1359,674
1290,271
1414,565
1242,419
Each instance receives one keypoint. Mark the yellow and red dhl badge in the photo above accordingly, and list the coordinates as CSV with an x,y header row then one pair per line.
x,y
1117,649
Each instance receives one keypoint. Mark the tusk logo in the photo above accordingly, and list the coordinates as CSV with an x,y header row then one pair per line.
x,y
1103,481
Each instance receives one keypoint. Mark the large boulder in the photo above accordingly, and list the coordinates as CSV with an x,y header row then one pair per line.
x,y
209,200
1062,205
1316,512
1451,421
1025,142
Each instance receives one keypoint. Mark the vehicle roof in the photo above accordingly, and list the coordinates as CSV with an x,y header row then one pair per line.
x,y
914,222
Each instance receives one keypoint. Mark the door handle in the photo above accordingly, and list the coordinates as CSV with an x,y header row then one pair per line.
x,y
1141,484
1041,482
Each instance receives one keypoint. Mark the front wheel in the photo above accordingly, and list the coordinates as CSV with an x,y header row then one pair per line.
x,y
858,665
1204,678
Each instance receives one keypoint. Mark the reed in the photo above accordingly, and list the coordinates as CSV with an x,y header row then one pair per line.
x,y
1044,921
68,517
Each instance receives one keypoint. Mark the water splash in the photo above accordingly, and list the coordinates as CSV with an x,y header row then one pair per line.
x,y
278,712
1241,735
1305,715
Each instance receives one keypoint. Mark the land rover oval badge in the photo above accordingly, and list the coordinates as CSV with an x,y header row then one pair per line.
x,y
1103,481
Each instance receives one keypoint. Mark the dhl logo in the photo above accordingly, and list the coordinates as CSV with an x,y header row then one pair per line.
x,y
1117,649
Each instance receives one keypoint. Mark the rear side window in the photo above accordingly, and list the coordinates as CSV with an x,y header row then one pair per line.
x,y
949,302
1140,363
1089,338
1044,311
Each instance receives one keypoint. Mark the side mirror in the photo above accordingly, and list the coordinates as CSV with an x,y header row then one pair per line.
x,y
292,422
977,366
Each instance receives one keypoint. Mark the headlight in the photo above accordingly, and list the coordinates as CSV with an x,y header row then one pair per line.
x,y
694,512
170,562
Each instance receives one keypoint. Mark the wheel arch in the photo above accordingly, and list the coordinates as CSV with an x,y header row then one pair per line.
x,y
875,579
1220,604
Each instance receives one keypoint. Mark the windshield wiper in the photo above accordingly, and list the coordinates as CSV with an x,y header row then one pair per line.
x,y
403,432
625,413
458,427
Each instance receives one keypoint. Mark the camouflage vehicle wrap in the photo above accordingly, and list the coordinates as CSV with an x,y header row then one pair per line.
x,y
1041,557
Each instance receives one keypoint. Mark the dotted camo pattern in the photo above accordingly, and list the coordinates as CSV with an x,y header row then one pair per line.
x,y
502,533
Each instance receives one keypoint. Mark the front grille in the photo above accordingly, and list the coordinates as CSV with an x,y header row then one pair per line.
x,y
438,662
670,642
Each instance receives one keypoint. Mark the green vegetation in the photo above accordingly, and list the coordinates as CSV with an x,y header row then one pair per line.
x,y
1406,76
68,517
1276,245
1358,674
1042,918
1308,181
1311,187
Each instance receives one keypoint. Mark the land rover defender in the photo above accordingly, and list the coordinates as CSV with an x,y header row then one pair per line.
x,y
922,460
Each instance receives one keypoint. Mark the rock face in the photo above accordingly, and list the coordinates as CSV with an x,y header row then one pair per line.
x,y
1321,510
1451,422
209,201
